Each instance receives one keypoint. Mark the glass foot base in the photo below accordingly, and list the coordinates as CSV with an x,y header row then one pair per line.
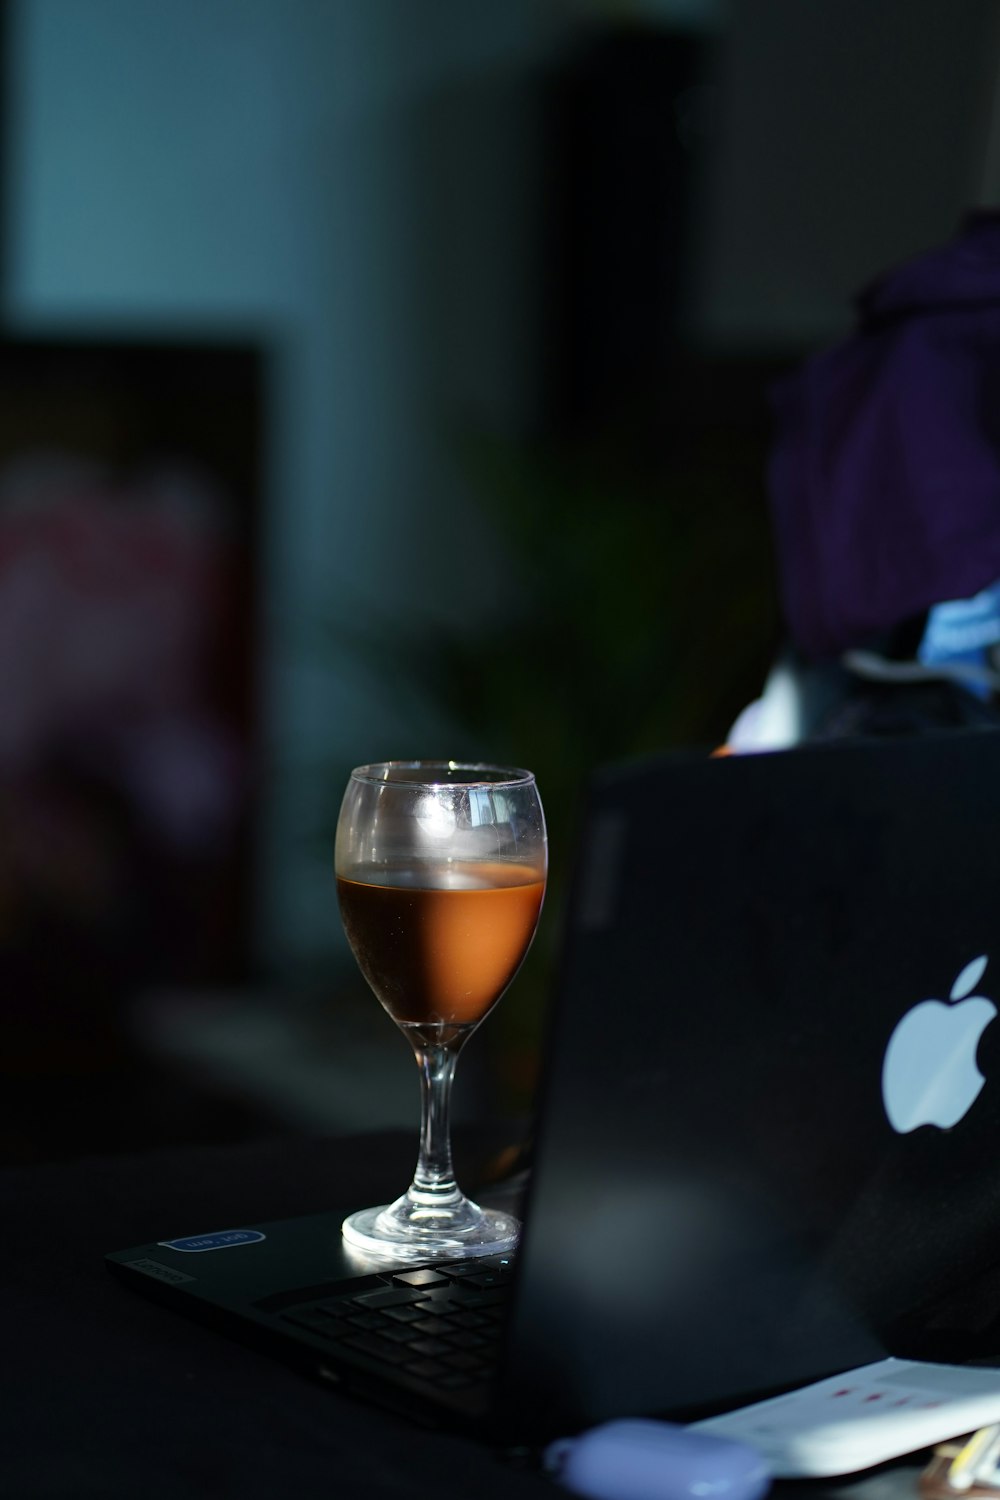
x,y
398,1231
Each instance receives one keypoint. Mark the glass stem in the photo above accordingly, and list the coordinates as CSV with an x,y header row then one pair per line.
x,y
434,1180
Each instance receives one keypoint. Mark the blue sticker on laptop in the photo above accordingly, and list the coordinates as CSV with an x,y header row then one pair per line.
x,y
223,1239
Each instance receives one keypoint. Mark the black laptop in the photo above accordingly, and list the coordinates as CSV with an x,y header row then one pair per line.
x,y
767,1136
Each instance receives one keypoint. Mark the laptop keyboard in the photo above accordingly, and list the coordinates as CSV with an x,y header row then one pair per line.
x,y
439,1323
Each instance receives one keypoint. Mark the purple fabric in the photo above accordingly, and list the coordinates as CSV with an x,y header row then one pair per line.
x,y
885,473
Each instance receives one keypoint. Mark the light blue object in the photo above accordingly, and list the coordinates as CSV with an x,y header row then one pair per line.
x,y
961,632
646,1460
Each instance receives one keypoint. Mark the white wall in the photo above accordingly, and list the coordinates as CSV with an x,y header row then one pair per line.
x,y
274,168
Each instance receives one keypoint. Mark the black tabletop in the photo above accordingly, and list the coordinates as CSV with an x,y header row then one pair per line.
x,y
107,1395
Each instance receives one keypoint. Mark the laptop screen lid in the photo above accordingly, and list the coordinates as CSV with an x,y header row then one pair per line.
x,y
739,1183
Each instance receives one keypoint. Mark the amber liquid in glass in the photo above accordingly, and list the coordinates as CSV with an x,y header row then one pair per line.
x,y
439,944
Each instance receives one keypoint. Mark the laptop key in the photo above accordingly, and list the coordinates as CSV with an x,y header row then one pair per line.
x,y
365,1320
396,1334
435,1298
406,1314
426,1276
460,1269
466,1318
489,1298
427,1369
389,1296
430,1326
466,1339
336,1310
378,1348
432,1348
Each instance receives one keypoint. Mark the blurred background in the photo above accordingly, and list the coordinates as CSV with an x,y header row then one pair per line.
x,y
378,379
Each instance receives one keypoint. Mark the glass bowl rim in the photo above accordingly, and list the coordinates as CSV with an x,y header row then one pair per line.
x,y
377,774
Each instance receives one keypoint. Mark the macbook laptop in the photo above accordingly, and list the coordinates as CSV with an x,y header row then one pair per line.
x,y
767,1134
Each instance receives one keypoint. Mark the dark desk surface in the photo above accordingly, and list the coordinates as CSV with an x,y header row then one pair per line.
x,y
107,1395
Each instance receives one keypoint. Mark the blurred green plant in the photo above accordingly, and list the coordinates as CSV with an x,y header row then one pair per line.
x,y
641,617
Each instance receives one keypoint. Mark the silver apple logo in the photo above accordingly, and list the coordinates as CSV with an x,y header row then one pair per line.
x,y
929,1073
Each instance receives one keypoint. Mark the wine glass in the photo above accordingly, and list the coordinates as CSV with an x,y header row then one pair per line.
x,y
440,877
